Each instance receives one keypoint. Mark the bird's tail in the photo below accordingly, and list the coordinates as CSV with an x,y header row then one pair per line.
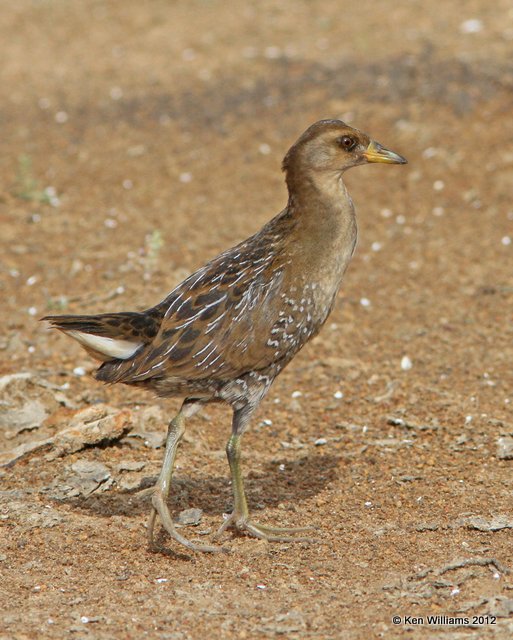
x,y
109,336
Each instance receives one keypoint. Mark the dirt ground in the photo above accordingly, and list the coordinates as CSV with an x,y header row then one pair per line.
x,y
141,139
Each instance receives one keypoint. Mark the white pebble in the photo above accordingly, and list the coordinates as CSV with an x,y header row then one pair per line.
x,y
110,223
188,55
506,241
267,422
61,117
365,302
376,246
116,93
32,280
185,177
296,394
430,152
272,53
406,363
261,586
386,213
438,211
438,185
400,219
79,371
32,311
84,619
264,149
468,419
127,184
368,503
471,26
320,442
455,591
31,349
161,580
281,467
338,395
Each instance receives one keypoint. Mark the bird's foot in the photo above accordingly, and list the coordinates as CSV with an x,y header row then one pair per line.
x,y
159,507
264,532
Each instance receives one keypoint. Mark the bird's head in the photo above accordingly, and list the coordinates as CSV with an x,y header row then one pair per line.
x,y
331,147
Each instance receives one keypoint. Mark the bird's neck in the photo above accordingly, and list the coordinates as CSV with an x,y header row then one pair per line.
x,y
323,211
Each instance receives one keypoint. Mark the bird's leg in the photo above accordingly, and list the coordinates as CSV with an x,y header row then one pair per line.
x,y
240,518
160,496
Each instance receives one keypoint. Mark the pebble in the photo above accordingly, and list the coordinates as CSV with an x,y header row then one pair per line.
x,y
79,371
406,363
506,241
116,93
320,442
471,26
61,117
505,448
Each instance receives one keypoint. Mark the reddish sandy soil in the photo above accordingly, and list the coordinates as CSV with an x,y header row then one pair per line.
x,y
160,127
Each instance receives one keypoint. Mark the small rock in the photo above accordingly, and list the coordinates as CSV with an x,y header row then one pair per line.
x,y
496,523
427,526
189,517
151,439
131,465
406,363
505,448
93,425
30,416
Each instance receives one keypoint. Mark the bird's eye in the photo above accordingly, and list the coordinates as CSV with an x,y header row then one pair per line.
x,y
347,143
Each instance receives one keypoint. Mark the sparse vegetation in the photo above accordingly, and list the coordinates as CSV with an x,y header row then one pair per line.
x,y
28,188
153,244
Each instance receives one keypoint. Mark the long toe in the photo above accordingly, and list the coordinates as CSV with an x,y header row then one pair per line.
x,y
265,532
161,508
277,534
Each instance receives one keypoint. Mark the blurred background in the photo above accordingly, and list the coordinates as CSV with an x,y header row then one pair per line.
x,y
140,139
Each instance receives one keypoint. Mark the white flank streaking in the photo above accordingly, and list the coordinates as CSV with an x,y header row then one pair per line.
x,y
120,349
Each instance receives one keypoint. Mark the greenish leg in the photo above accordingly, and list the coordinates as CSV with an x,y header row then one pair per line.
x,y
239,518
160,496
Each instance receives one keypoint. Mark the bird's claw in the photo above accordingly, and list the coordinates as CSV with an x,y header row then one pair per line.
x,y
160,507
263,532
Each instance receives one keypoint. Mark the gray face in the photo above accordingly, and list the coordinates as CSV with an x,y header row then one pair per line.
x,y
335,149
332,146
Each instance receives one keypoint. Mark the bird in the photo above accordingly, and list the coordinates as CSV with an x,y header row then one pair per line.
x,y
228,330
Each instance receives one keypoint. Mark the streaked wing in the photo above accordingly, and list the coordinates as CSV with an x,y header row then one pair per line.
x,y
217,321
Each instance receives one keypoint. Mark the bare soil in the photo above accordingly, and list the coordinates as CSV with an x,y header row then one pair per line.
x,y
141,139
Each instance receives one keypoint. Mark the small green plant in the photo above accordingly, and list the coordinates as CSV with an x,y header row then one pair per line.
x,y
59,303
28,188
152,247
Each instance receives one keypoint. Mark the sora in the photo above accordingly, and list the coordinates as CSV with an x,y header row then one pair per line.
x,y
230,328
